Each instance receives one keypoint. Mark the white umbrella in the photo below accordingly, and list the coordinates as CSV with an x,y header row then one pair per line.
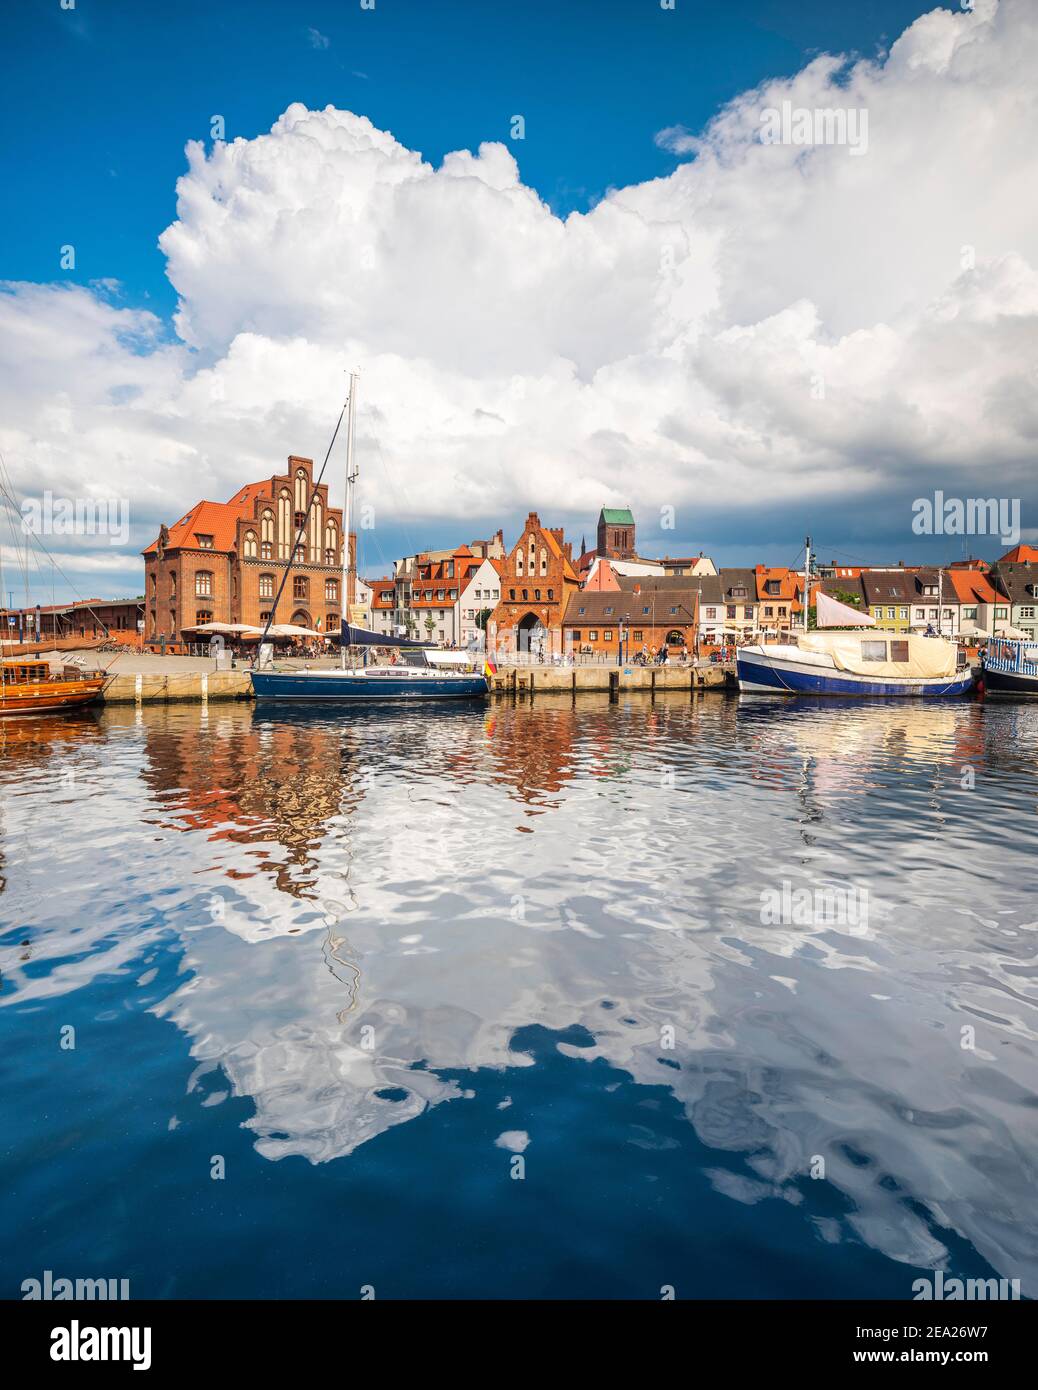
x,y
290,630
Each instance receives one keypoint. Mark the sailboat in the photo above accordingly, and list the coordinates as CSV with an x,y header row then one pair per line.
x,y
838,659
407,675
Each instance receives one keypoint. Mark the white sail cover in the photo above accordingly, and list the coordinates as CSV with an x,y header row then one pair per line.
x,y
831,613
885,654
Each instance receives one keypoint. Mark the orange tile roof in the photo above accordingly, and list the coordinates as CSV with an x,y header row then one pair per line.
x,y
216,519
1019,555
971,586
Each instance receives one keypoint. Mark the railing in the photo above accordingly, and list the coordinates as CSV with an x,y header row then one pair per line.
x,y
1012,657
568,660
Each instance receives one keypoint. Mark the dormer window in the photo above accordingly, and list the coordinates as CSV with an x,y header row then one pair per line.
x,y
204,542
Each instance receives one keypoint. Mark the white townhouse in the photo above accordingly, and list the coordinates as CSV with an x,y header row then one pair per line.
x,y
483,590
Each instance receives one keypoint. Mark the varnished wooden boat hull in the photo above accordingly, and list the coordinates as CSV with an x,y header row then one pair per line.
x,y
40,697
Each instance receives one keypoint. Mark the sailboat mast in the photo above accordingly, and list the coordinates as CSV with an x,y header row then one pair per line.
x,y
807,579
349,566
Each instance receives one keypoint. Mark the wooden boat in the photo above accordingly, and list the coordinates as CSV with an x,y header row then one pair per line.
x,y
28,687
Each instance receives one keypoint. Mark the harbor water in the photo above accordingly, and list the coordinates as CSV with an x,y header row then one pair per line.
x,y
730,996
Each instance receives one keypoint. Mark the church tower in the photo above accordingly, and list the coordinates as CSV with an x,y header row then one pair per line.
x,y
616,534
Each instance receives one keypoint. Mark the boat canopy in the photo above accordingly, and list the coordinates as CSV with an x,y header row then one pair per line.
x,y
353,636
882,654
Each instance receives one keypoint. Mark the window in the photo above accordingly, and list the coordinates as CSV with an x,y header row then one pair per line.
x,y
890,613
873,651
299,520
576,636
645,610
608,612
637,635
203,615
205,542
331,544
284,522
920,613
903,614
769,612
300,490
526,594
537,595
331,591
738,592
203,583
1024,612
711,612
782,612
899,651
265,617
607,635
249,545
173,587
332,623
673,612
266,586
1001,612
511,594
551,595
300,586
581,611
731,610
772,587
152,588
969,613
592,635
933,612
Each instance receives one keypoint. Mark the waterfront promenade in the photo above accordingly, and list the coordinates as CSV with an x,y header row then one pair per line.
x,y
143,678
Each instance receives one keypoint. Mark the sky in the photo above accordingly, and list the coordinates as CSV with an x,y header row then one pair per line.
x,y
639,302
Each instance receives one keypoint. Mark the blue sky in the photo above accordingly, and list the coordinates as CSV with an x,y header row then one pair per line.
x,y
99,101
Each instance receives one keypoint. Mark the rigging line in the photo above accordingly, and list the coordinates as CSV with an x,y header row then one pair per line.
x,y
36,541
302,530
412,548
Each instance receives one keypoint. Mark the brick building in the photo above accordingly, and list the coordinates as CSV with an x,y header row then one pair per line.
x,y
224,561
638,612
616,534
537,578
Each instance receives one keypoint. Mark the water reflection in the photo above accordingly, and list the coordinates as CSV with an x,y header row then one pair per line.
x,y
375,903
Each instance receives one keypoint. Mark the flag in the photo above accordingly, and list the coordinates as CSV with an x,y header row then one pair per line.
x,y
489,669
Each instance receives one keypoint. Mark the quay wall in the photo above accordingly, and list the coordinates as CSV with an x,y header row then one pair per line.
x,y
532,680
201,687
172,687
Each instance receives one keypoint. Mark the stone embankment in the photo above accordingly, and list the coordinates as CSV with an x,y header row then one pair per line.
x,y
172,680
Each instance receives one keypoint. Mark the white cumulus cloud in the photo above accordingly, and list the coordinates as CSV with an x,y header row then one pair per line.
x,y
768,331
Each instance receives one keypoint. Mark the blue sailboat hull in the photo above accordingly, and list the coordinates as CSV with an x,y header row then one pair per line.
x,y
789,678
350,687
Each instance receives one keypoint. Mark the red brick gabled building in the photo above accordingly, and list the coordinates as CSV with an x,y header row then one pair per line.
x,y
224,561
537,579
